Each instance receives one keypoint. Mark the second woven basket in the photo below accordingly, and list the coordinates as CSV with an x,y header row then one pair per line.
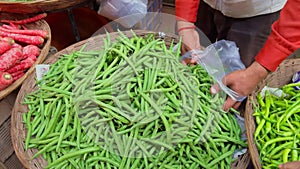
x,y
279,78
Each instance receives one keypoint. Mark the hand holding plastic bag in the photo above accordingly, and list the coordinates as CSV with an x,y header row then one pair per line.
x,y
219,59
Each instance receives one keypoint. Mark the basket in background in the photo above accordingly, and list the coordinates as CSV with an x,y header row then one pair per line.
x,y
279,78
42,25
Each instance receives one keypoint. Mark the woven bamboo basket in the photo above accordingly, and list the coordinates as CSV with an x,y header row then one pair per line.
x,y
242,162
37,6
18,130
43,25
280,77
2,166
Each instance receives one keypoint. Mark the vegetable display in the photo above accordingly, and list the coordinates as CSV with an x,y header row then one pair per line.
x,y
130,104
19,46
277,133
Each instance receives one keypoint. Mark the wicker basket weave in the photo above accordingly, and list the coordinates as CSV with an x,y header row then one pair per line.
x,y
37,6
18,131
279,78
43,25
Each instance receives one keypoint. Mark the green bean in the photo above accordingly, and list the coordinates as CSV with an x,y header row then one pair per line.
x,y
73,154
104,159
212,163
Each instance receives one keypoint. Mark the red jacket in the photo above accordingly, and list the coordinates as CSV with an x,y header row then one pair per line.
x,y
187,9
283,40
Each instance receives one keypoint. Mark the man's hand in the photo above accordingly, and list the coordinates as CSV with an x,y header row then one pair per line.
x,y
242,82
290,165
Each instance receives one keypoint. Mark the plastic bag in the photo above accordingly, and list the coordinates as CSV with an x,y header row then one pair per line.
x,y
219,59
126,12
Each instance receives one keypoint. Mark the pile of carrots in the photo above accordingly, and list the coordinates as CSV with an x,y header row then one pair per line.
x,y
19,48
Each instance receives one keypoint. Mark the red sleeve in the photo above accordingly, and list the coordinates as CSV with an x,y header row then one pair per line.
x,y
186,10
284,38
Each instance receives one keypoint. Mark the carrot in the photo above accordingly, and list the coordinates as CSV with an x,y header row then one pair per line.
x,y
10,58
24,27
28,20
5,80
9,27
16,45
18,76
22,66
34,40
42,33
16,73
4,46
7,39
14,26
31,51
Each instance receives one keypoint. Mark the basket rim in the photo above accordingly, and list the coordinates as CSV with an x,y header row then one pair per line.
x,y
43,53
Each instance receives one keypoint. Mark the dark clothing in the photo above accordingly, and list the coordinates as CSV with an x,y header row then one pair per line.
x,y
249,34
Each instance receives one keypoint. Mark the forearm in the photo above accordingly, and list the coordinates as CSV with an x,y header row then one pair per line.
x,y
257,71
284,38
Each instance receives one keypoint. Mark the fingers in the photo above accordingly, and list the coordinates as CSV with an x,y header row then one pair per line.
x,y
193,60
237,105
290,165
186,61
230,103
184,49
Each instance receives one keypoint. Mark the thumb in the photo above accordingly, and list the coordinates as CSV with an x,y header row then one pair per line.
x,y
227,79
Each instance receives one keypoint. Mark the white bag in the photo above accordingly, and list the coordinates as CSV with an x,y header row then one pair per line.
x,y
125,12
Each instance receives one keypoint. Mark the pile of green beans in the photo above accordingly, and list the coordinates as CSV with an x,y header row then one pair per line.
x,y
131,104
278,127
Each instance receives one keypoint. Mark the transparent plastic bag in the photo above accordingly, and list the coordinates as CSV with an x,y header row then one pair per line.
x,y
219,59
130,11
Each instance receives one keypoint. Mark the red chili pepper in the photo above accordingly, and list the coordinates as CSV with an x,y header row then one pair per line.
x,y
28,20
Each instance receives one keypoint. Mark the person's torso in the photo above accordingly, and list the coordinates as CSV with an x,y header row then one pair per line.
x,y
246,8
